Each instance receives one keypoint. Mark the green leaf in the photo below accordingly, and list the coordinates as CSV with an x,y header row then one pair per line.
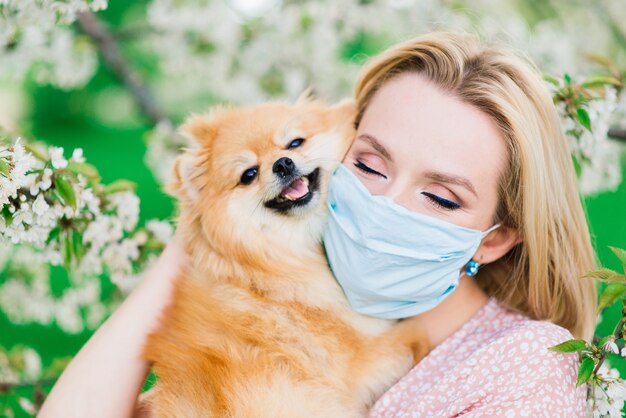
x,y
53,371
585,371
53,235
611,294
600,81
7,215
87,170
621,254
65,190
36,152
78,246
120,186
583,118
4,168
577,166
552,80
570,346
606,275
603,61
567,78
67,251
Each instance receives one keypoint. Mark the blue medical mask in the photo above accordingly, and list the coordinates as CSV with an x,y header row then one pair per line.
x,y
392,263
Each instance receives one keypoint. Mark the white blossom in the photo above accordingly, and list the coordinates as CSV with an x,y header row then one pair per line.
x,y
77,155
610,346
32,364
27,405
40,206
56,157
34,34
127,207
607,395
163,231
164,145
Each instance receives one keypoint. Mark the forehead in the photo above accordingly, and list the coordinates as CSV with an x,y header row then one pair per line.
x,y
426,128
266,125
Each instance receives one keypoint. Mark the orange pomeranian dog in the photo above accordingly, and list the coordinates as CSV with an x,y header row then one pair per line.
x,y
258,327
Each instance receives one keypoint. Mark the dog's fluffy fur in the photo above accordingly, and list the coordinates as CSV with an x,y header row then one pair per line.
x,y
258,326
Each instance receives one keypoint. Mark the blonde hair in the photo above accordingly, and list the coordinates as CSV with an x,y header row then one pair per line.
x,y
541,276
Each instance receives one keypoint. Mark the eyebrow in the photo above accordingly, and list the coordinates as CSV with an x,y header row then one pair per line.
x,y
433,175
376,145
451,179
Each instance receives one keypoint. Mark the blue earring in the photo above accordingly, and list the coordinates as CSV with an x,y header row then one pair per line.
x,y
472,268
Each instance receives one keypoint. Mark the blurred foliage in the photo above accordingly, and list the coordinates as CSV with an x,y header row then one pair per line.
x,y
102,119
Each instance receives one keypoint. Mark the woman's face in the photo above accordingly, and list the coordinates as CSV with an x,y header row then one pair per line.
x,y
430,152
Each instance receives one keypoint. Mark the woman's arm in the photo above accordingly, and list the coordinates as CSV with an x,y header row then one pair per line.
x,y
108,373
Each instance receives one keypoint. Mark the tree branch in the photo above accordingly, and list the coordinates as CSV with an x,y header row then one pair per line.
x,y
6,387
619,134
114,60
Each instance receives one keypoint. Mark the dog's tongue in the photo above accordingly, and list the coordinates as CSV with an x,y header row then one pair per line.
x,y
296,190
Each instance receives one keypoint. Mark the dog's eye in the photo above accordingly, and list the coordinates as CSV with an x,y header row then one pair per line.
x,y
249,175
295,143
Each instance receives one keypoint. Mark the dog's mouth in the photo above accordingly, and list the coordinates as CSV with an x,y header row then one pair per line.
x,y
298,192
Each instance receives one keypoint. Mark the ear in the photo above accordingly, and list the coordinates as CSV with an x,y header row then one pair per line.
x,y
182,186
203,128
342,116
198,128
306,96
343,112
497,244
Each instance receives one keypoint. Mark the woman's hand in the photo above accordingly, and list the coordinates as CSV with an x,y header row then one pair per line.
x,y
108,373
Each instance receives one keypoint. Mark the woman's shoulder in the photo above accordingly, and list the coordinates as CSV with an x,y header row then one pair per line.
x,y
497,364
523,334
515,363
515,340
496,330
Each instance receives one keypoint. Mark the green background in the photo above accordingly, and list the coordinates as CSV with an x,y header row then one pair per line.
x,y
68,119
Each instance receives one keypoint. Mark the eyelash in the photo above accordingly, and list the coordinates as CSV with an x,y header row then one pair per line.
x,y
367,169
441,202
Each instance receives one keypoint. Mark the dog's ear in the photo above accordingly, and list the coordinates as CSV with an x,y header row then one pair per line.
x,y
342,116
202,129
199,129
307,96
182,185
343,112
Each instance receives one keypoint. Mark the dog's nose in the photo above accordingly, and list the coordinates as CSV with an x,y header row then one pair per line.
x,y
284,167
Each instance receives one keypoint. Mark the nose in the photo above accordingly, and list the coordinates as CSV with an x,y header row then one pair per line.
x,y
284,167
401,193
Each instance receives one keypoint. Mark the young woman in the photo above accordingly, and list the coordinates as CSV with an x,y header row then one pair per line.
x,y
465,144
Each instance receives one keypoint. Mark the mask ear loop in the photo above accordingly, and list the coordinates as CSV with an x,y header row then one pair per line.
x,y
493,228
472,266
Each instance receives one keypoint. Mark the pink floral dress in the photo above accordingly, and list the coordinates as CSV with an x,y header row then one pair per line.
x,y
496,365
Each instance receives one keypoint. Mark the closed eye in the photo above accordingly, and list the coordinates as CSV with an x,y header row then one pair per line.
x,y
367,169
441,202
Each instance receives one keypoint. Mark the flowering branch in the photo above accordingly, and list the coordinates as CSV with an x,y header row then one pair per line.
x,y
586,107
21,368
60,214
59,207
606,389
618,333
